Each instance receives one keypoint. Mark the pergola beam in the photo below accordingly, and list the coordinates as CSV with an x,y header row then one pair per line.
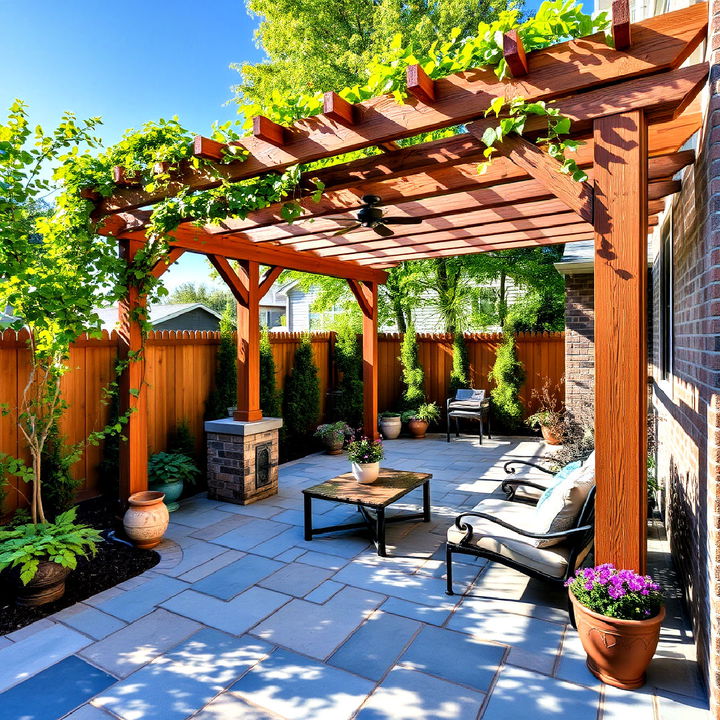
x,y
659,43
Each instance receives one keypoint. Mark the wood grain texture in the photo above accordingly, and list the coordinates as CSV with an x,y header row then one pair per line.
x,y
338,109
621,24
419,84
659,44
248,347
268,131
621,340
514,54
370,359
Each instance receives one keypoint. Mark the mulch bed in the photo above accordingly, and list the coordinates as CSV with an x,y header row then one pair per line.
x,y
113,563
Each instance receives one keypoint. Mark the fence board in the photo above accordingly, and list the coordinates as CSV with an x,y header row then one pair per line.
x,y
180,370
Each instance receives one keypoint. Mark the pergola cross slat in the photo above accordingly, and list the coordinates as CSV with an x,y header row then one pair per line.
x,y
634,105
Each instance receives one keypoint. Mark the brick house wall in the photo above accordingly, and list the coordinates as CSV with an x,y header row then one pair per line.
x,y
579,343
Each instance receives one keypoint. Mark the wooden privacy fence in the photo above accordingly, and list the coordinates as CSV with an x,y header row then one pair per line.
x,y
180,374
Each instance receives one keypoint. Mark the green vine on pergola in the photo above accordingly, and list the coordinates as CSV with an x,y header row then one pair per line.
x,y
150,156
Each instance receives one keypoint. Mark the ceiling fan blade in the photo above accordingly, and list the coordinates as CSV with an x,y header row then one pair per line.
x,y
382,230
403,220
335,219
346,230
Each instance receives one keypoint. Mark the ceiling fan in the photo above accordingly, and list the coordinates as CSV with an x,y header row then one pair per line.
x,y
370,216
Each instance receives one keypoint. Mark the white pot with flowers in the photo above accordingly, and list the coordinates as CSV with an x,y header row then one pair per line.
x,y
365,456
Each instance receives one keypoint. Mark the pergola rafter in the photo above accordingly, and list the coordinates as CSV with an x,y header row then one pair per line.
x,y
633,104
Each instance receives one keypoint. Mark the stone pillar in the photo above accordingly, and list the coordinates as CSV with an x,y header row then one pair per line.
x,y
242,459
580,345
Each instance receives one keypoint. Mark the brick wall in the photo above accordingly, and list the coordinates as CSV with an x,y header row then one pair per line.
x,y
579,342
687,402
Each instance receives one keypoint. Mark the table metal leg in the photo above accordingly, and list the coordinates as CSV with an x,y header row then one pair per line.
x,y
308,517
380,532
426,501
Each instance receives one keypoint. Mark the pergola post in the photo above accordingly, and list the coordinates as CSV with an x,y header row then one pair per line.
x,y
621,231
366,293
132,391
248,347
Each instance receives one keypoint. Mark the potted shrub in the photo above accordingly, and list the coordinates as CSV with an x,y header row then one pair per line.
x,y
549,416
618,615
333,436
44,554
168,473
365,456
390,425
419,420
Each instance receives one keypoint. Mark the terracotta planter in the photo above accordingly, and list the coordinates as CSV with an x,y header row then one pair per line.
x,y
47,586
390,427
366,473
549,435
146,519
172,492
618,651
418,428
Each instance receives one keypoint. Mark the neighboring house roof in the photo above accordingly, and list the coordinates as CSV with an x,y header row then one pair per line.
x,y
157,313
577,258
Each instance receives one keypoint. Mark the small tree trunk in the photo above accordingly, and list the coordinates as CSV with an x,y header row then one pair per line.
x,y
502,302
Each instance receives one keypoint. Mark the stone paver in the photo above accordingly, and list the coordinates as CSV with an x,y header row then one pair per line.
x,y
126,650
30,655
317,630
299,689
185,679
235,616
243,618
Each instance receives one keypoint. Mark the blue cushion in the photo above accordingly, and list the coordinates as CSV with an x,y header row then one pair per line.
x,y
559,477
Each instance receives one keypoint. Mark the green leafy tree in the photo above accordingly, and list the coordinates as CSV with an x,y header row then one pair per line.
x,y
301,399
507,373
270,395
348,404
460,373
317,45
217,299
224,394
59,485
412,373
182,440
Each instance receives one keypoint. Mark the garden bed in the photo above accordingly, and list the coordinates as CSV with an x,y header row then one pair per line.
x,y
113,563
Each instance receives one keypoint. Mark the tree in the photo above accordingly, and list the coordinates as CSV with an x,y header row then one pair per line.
x,y
270,396
215,298
301,399
348,404
460,373
412,373
508,375
224,394
54,272
317,45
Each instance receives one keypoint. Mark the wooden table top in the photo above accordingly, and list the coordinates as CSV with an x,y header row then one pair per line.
x,y
389,487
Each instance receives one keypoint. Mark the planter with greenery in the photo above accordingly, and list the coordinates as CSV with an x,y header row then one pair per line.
x,y
390,425
43,554
419,420
168,473
618,615
333,436
365,456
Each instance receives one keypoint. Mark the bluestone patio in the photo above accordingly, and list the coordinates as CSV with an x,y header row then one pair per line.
x,y
243,618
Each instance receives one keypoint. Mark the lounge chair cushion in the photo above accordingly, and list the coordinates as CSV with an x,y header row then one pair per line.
x,y
523,492
489,536
561,503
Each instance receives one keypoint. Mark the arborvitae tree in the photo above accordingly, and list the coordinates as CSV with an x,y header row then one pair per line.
x,y
224,395
412,373
270,396
348,360
182,440
460,373
301,399
508,374
59,485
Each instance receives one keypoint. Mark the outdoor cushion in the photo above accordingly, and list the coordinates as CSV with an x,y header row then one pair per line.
x,y
469,394
524,492
489,536
560,504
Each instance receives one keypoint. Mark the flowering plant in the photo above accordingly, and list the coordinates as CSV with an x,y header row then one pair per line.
x,y
334,432
365,451
621,594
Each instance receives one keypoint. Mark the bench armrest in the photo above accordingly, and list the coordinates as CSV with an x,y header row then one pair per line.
x,y
497,521
511,470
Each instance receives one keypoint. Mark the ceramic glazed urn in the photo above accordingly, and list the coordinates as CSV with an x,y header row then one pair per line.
x,y
47,586
618,651
146,519
390,427
366,473
171,491
418,428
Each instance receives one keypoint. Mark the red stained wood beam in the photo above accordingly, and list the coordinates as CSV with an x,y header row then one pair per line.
x,y
362,294
268,131
514,54
122,179
420,85
338,109
621,24
208,149
162,265
239,285
270,276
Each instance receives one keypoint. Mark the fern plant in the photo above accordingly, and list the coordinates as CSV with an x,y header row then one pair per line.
x,y
62,542
170,468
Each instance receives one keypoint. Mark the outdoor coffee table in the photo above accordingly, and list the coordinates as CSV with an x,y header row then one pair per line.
x,y
390,486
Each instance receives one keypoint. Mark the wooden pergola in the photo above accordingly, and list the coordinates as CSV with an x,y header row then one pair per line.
x,y
634,105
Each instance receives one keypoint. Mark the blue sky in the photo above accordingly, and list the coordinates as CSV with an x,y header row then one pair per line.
x,y
128,62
